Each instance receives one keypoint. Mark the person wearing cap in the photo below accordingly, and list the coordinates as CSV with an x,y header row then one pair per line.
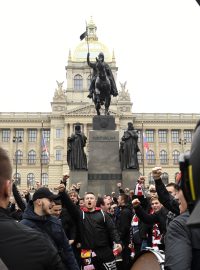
x,y
21,247
37,215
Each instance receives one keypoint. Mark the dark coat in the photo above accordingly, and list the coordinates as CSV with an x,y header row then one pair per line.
x,y
68,224
52,228
182,245
123,224
167,200
97,229
157,217
22,248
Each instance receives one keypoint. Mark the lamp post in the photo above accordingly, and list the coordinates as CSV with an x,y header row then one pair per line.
x,y
16,139
182,142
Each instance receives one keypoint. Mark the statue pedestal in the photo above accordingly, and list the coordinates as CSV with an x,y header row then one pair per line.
x,y
104,170
129,178
79,176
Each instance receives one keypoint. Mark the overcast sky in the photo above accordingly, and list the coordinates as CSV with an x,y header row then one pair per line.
x,y
156,43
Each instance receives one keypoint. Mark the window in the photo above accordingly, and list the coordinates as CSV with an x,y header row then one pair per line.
x,y
175,136
30,180
46,134
58,133
44,158
163,157
44,179
32,157
58,155
19,133
78,82
151,157
5,135
162,135
150,135
139,156
175,156
165,178
187,136
32,135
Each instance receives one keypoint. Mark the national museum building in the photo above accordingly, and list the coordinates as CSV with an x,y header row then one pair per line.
x,y
167,134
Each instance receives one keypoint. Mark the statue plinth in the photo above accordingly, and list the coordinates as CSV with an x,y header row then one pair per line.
x,y
104,170
79,176
130,177
103,122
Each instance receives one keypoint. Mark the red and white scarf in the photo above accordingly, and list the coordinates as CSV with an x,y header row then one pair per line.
x,y
139,190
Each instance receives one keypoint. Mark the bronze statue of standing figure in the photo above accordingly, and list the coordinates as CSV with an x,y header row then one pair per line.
x,y
76,157
129,149
102,83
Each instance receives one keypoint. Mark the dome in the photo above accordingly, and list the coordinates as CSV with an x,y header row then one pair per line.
x,y
80,53
95,47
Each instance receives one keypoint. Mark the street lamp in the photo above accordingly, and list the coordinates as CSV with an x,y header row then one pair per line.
x,y
16,139
182,142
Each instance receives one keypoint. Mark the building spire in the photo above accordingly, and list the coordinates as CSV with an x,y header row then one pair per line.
x,y
91,28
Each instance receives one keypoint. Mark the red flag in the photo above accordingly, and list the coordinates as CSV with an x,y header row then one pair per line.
x,y
44,145
146,145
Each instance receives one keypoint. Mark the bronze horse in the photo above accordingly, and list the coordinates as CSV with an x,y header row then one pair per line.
x,y
102,88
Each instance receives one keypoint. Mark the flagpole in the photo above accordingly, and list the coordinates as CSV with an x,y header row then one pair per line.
x,y
88,47
41,166
87,37
142,148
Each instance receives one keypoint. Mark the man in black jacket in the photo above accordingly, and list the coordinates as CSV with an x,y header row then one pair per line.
x,y
37,215
123,224
96,229
21,247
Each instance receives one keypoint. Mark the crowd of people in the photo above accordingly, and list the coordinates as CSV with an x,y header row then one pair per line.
x,y
61,230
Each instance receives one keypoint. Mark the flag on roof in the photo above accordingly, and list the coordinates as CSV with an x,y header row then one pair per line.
x,y
82,36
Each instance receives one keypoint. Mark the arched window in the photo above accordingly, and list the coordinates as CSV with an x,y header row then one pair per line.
x,y
175,156
45,158
32,157
78,82
163,157
45,179
165,178
139,156
150,179
151,157
88,81
30,180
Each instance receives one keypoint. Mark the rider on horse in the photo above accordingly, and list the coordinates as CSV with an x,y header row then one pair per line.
x,y
114,91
